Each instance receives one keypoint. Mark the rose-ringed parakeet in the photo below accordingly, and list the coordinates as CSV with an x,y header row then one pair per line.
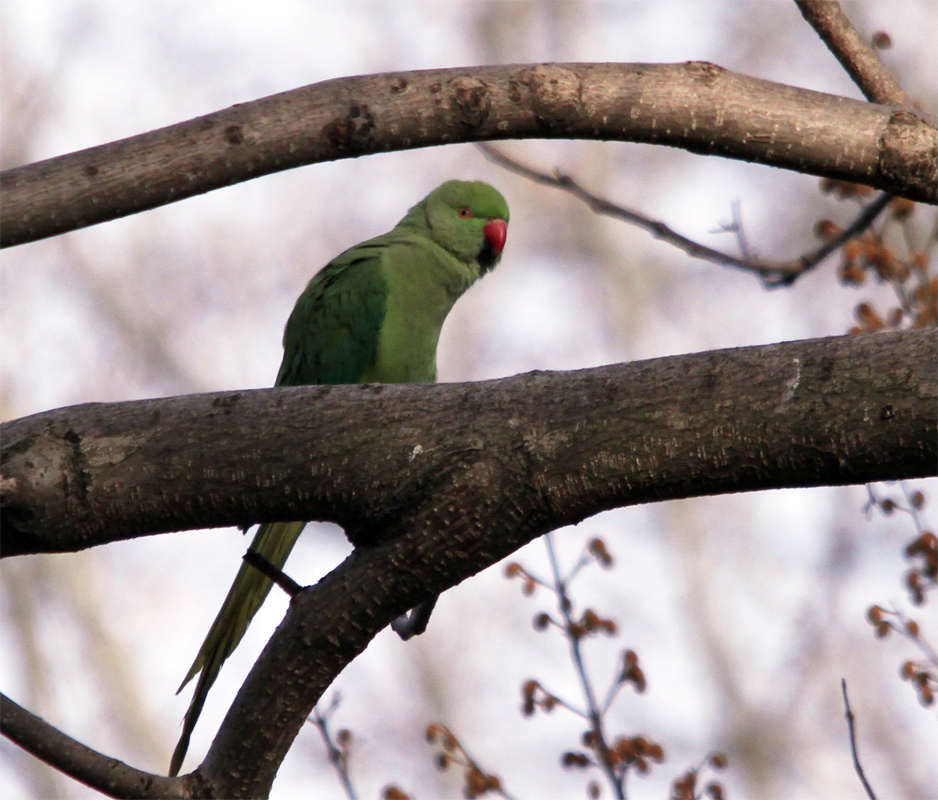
x,y
372,315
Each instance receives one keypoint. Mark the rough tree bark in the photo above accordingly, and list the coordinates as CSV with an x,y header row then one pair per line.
x,y
366,457
434,483
698,106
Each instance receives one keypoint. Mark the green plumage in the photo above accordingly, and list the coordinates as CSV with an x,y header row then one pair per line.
x,y
372,315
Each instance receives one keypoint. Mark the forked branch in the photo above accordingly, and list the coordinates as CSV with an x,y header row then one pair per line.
x,y
772,273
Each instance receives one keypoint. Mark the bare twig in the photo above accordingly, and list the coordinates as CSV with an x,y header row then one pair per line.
x,y
854,53
772,273
903,627
478,781
921,578
853,742
914,508
338,753
594,715
615,759
277,575
108,775
736,228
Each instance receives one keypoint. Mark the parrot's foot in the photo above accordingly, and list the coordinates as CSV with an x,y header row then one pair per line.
x,y
415,622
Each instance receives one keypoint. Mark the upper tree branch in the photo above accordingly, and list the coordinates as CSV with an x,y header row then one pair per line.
x,y
855,54
698,106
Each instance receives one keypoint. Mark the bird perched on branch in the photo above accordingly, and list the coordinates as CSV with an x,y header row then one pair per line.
x,y
372,315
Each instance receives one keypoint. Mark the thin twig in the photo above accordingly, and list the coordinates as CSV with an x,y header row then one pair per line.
x,y
611,695
772,273
911,508
855,54
584,560
337,755
277,575
594,715
853,742
902,627
736,227
478,781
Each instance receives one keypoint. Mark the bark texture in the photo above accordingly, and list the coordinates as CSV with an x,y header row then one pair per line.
x,y
434,483
769,411
561,446
697,105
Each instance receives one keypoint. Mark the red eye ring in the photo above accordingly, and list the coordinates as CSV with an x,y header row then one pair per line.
x,y
465,212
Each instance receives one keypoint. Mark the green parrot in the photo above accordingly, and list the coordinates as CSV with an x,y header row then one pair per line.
x,y
372,315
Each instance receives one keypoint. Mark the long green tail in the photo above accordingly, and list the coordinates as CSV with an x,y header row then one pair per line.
x,y
274,541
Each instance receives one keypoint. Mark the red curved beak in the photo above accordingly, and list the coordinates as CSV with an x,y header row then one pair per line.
x,y
496,232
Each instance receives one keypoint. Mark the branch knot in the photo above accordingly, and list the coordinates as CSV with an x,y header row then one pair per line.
x,y
556,93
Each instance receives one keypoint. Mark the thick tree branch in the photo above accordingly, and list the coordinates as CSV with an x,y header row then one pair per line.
x,y
698,106
483,514
438,482
107,775
367,456
854,53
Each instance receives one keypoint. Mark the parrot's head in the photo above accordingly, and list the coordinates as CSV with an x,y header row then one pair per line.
x,y
470,219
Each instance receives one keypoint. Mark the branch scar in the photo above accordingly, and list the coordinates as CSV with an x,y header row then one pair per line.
x,y
791,386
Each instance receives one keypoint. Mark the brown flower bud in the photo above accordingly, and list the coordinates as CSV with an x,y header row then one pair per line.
x,y
719,761
825,229
901,207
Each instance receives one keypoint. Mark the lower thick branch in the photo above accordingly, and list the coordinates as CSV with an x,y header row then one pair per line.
x,y
830,411
483,514
435,483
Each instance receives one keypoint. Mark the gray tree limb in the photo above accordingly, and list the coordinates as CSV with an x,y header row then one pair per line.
x,y
436,482
827,411
368,457
697,106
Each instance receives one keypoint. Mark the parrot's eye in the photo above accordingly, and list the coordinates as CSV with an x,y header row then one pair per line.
x,y
464,212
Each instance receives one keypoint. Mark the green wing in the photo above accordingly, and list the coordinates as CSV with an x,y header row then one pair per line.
x,y
332,335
